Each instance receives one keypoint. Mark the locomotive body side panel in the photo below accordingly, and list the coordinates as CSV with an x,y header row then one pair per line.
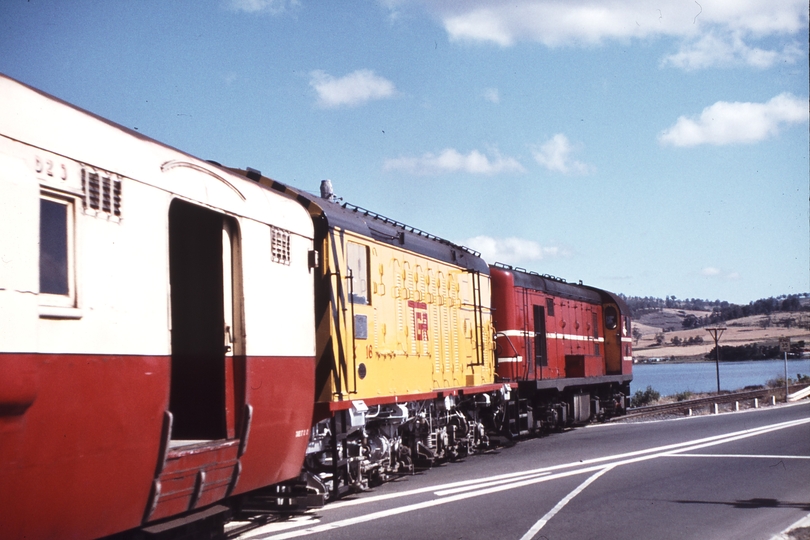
x,y
510,351
542,334
403,324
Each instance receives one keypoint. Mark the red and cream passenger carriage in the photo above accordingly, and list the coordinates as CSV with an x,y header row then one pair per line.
x,y
156,337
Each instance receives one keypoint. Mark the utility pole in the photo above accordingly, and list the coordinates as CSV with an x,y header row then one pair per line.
x,y
716,332
784,346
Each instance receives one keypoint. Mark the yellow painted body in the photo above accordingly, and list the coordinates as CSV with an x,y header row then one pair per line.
x,y
424,332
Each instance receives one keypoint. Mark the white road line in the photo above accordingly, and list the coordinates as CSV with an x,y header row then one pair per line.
x,y
744,435
522,479
560,505
748,456
450,486
453,491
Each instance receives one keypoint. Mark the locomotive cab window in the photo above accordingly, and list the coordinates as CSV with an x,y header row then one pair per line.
x,y
56,286
611,318
357,273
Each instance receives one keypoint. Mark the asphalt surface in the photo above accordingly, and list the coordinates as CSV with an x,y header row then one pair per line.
x,y
739,475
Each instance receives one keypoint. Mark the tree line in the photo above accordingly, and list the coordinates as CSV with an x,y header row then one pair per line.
x,y
754,351
719,311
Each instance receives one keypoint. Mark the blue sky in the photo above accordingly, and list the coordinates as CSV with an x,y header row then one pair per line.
x,y
648,148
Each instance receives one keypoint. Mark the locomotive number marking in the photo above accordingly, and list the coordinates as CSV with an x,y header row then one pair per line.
x,y
47,166
420,320
301,433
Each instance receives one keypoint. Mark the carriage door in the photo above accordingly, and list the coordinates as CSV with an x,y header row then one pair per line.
x,y
202,271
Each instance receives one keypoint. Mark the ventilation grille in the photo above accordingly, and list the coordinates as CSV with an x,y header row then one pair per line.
x,y
101,193
280,245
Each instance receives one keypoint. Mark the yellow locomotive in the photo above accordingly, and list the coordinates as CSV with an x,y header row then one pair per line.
x,y
404,345
403,314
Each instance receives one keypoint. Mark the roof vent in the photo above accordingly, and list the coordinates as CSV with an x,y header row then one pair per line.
x,y
326,190
253,174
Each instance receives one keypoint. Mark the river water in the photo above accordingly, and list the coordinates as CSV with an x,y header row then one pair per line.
x,y
669,379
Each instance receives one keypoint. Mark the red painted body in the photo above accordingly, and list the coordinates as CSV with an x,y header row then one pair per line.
x,y
79,461
80,440
577,341
281,391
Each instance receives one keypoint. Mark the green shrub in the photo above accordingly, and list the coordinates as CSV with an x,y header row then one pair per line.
x,y
645,397
776,382
683,396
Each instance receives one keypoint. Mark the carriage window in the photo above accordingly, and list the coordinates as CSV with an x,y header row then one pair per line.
x,y
55,251
550,306
357,264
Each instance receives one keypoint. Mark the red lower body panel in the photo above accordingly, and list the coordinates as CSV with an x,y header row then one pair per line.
x,y
81,442
281,391
77,462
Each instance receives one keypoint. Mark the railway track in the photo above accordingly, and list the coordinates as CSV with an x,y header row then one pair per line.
x,y
747,398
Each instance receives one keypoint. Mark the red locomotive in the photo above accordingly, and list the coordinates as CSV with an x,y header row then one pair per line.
x,y
564,349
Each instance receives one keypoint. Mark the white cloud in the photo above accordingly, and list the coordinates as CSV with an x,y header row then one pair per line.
x,y
736,123
451,160
513,250
350,90
711,50
555,155
260,6
717,273
492,95
588,22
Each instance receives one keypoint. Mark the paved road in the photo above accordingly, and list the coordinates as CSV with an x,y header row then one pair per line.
x,y
739,475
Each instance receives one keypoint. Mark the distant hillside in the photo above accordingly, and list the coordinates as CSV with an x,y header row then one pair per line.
x,y
661,333
666,320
